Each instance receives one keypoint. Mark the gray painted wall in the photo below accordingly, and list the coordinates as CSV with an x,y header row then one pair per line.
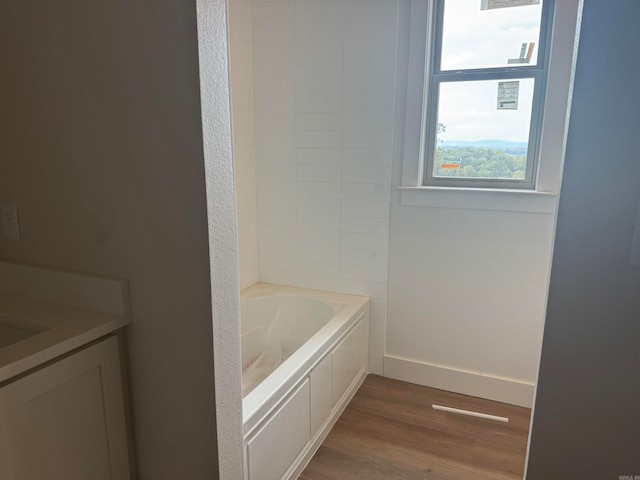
x,y
587,411
101,148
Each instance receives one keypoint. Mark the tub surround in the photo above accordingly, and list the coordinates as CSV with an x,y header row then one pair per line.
x,y
296,406
324,85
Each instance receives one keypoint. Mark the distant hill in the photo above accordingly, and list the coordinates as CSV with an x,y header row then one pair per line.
x,y
512,148
482,143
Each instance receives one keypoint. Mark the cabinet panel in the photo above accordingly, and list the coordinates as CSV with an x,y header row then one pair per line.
x,y
321,402
274,448
348,359
66,421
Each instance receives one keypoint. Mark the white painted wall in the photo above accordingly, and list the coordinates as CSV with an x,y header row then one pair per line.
x,y
468,275
102,152
241,76
324,74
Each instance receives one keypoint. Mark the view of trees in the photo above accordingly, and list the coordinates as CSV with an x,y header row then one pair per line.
x,y
480,159
479,162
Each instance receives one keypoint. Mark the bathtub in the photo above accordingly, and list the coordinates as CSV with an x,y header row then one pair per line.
x,y
304,355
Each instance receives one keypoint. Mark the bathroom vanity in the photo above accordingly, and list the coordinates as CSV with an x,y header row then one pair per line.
x,y
62,406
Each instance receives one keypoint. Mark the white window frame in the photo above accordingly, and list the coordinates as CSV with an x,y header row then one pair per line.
x,y
415,50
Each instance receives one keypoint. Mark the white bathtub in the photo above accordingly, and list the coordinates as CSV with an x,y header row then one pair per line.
x,y
304,355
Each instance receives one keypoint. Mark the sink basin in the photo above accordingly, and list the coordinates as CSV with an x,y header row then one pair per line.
x,y
13,330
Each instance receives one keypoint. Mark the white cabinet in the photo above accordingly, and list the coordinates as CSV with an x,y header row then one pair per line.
x,y
66,421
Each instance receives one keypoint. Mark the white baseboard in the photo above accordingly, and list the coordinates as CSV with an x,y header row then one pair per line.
x,y
506,390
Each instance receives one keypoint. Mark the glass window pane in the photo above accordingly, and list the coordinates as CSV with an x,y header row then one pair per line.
x,y
483,129
476,38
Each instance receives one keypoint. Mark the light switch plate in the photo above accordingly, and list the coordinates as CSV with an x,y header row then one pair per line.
x,y
10,224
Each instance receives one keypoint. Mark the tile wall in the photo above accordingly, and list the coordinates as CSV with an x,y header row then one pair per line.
x,y
241,76
324,73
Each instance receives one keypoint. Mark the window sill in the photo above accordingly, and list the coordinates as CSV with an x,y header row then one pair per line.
x,y
525,201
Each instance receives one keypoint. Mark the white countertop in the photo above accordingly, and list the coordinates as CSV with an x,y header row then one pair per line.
x,y
66,309
65,329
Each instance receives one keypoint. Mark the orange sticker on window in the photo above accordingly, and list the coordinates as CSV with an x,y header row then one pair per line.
x,y
450,166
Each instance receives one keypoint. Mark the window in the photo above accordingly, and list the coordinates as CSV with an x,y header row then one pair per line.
x,y
486,79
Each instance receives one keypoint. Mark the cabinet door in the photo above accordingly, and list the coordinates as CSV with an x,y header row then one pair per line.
x,y
66,421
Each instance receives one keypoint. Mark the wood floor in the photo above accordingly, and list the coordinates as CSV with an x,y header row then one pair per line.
x,y
390,432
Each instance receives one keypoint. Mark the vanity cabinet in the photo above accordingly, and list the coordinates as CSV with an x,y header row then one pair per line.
x,y
66,420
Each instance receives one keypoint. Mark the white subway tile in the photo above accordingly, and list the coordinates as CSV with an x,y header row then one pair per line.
x,y
278,262
376,336
279,249
366,80
328,206
319,189
319,221
359,256
271,19
318,173
318,252
321,268
367,191
377,226
367,102
365,208
274,55
242,120
376,366
318,84
366,157
274,195
357,174
377,321
274,217
243,152
318,121
356,287
320,12
308,48
319,66
367,139
275,155
376,351
318,237
317,31
270,83
317,282
275,121
378,308
330,103
274,104
367,241
319,156
276,171
277,233
368,121
276,139
279,278
363,272
309,139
